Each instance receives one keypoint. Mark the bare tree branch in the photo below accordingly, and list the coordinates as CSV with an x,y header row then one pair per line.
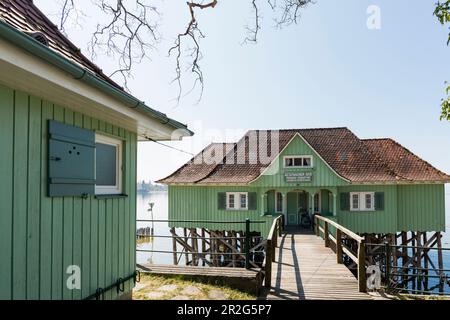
x,y
192,34
131,33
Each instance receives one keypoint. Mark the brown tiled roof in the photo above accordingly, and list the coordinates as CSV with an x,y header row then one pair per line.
x,y
202,164
351,158
402,161
26,17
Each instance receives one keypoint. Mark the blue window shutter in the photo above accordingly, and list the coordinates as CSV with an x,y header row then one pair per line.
x,y
252,201
379,201
71,160
221,201
345,201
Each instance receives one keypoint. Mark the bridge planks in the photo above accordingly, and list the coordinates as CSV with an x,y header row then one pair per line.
x,y
305,269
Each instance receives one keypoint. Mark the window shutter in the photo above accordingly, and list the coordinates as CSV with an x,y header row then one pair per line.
x,y
71,160
222,201
345,201
379,201
252,201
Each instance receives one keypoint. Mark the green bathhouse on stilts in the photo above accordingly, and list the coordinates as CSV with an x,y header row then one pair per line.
x,y
374,187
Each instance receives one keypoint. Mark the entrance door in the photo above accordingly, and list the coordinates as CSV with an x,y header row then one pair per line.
x,y
297,203
292,213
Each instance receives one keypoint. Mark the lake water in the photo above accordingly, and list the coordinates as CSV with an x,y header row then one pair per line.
x,y
160,212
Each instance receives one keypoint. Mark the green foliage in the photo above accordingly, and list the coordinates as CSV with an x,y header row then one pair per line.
x,y
442,12
445,113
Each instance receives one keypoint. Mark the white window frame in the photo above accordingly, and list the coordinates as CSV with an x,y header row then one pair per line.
x,y
237,201
276,202
319,208
117,188
298,157
362,201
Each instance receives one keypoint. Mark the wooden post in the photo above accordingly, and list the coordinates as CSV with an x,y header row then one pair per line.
x,y
174,246
316,225
247,244
362,267
195,255
404,257
339,254
186,255
326,236
425,260
419,260
269,259
440,261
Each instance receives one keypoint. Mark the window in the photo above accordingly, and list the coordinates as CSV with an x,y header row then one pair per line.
x,y
317,202
108,165
279,202
298,162
362,201
237,201
243,202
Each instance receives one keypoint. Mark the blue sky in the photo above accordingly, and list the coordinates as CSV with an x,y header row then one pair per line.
x,y
330,70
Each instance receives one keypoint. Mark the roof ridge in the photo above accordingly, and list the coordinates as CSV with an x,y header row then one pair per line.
x,y
301,129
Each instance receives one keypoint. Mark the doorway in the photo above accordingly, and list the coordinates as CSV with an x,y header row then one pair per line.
x,y
297,204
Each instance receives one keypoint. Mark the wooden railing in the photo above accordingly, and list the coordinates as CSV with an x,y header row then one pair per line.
x,y
359,258
271,245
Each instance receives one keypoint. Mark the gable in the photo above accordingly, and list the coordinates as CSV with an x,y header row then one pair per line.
x,y
276,175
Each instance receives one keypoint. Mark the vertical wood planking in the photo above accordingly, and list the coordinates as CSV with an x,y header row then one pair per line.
x,y
34,196
58,240
40,237
20,196
68,210
6,190
86,234
78,224
46,224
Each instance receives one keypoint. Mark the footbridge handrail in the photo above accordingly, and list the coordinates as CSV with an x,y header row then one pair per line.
x,y
271,244
341,248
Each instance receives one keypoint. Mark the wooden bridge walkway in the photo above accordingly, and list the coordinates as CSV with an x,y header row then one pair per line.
x,y
305,269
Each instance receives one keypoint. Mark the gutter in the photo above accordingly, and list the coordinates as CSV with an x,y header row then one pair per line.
x,y
27,43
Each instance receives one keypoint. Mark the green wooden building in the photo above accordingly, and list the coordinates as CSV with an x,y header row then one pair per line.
x,y
68,141
369,186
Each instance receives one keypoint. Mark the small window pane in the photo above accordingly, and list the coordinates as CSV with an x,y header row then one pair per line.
x,y
298,162
243,201
106,164
307,162
279,202
231,201
368,201
355,201
289,162
316,203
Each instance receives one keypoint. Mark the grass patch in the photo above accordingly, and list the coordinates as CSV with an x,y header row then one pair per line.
x,y
152,284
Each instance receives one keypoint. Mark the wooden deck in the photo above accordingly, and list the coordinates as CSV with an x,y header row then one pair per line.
x,y
239,278
305,269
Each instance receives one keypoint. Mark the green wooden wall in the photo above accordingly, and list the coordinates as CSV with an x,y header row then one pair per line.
x,y
371,221
323,176
41,236
418,207
200,203
421,206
